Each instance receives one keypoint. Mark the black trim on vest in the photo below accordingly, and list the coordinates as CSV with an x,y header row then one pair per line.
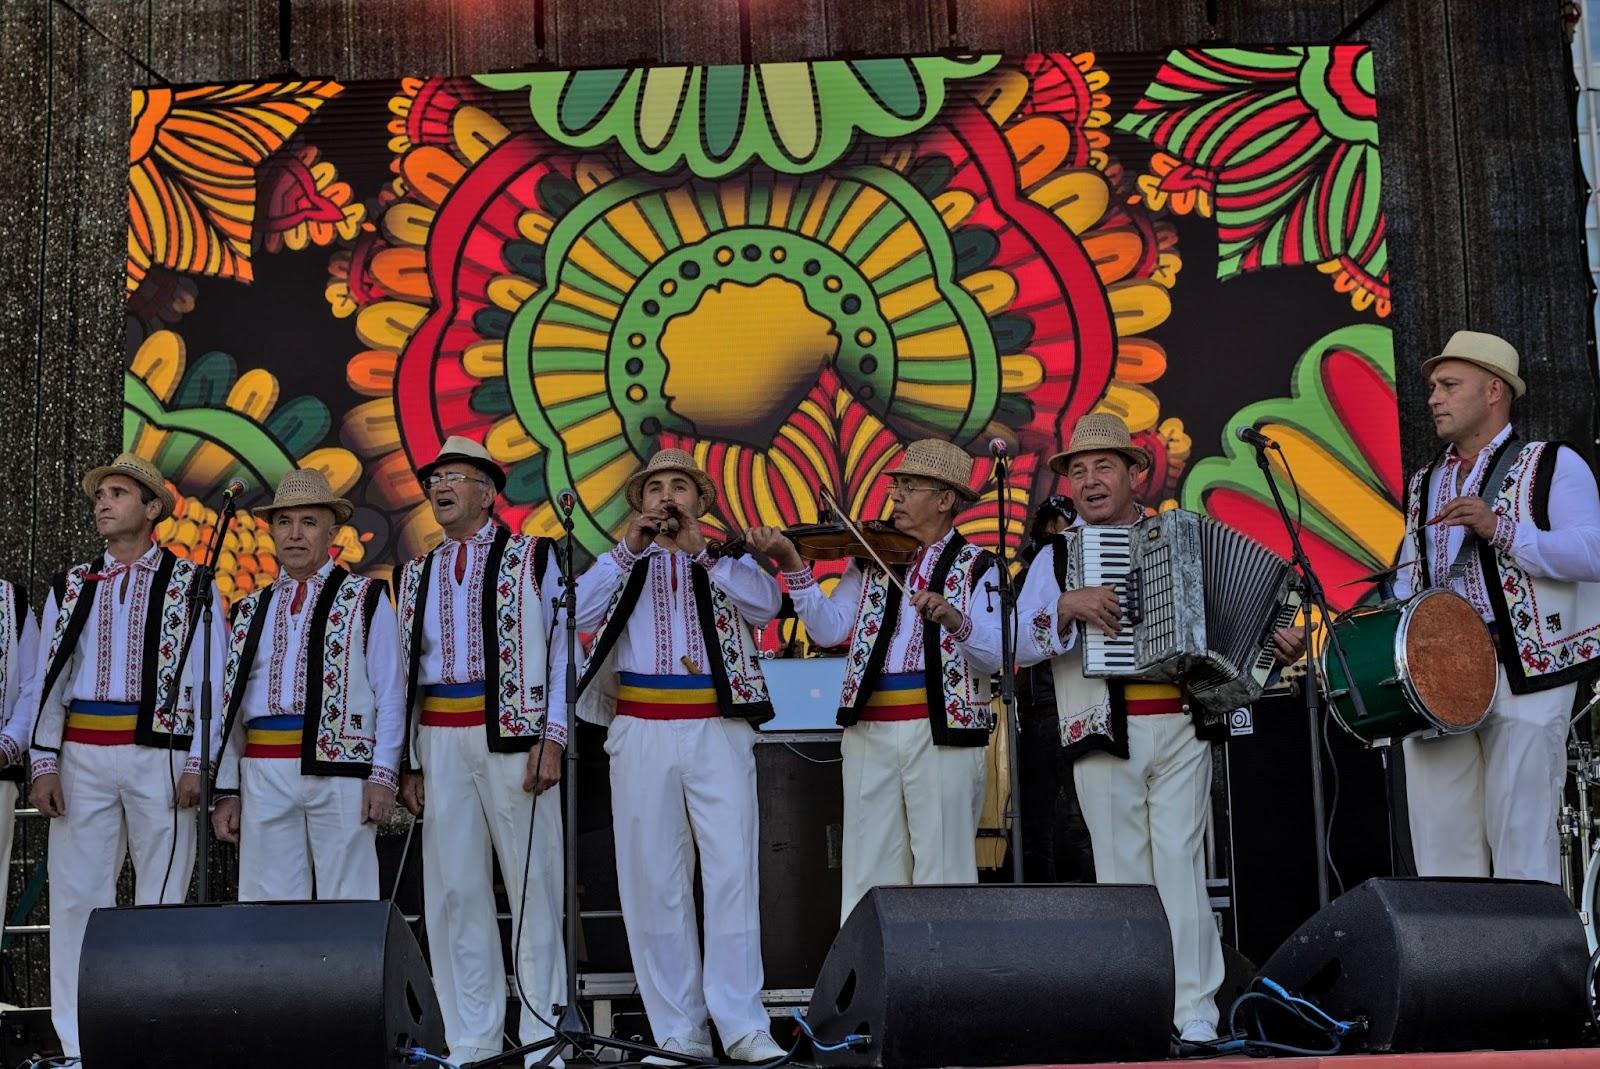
x,y
487,613
756,713
933,663
144,730
241,678
69,640
414,669
310,765
850,715
614,626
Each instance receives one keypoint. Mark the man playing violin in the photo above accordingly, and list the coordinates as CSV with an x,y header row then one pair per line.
x,y
1513,526
673,633
916,699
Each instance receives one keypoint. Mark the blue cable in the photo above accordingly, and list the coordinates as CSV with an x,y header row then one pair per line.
x,y
1339,1027
416,1055
849,1041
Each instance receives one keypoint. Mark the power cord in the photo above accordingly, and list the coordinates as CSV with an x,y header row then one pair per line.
x,y
853,1041
1303,1012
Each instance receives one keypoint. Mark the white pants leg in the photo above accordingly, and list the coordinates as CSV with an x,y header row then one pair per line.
x,y
8,823
116,796
458,893
1146,820
1485,803
719,785
876,847
344,851
944,794
274,857
541,962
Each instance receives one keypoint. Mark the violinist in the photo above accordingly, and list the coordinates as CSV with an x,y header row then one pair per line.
x,y
916,700
675,650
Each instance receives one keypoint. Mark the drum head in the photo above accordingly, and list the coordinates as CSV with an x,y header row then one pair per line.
x,y
1448,660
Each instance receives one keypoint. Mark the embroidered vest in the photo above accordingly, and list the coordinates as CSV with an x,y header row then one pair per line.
x,y
1093,713
166,709
1548,631
514,629
735,666
13,617
340,710
960,711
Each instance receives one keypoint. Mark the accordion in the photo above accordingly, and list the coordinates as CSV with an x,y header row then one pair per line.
x,y
1200,602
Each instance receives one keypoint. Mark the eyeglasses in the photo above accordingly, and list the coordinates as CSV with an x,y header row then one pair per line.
x,y
450,478
902,489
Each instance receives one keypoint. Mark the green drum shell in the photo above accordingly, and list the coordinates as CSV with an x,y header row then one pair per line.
x,y
1372,638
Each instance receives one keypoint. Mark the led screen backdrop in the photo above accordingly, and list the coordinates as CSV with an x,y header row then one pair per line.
x,y
791,269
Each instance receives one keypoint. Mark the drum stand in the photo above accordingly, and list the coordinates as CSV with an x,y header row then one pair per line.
x,y
1315,692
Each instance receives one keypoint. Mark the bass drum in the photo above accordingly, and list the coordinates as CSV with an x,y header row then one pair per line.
x,y
1423,666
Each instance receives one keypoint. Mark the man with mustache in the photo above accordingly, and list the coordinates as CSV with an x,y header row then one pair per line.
x,y
1513,526
115,753
674,637
1141,764
915,704
314,713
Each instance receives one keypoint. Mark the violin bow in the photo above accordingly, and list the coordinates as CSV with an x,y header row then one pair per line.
x,y
862,538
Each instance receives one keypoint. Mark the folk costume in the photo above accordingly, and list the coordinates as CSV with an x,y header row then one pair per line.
x,y
315,710
916,702
116,692
674,649
1141,764
478,637
1484,803
19,653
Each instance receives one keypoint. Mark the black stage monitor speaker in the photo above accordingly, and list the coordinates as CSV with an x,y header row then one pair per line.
x,y
315,985
1444,964
998,975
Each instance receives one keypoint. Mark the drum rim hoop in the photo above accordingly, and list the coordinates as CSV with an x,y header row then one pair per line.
x,y
1403,669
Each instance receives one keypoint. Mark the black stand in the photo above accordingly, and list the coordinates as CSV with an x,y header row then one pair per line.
x,y
200,591
1315,687
1008,676
570,1025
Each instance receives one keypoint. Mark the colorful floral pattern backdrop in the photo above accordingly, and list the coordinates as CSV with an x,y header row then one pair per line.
x,y
791,270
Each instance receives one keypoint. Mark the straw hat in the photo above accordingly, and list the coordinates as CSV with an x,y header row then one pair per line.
x,y
463,450
1489,351
1100,432
672,460
140,471
306,488
941,461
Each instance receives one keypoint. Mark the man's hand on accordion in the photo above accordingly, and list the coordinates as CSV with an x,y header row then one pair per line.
x,y
1289,644
1094,605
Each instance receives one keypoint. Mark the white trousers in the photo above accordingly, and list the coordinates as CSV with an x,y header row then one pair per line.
x,y
8,823
477,811
119,799
678,785
298,833
1147,824
1485,803
910,809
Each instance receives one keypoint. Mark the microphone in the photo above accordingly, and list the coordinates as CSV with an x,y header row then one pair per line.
x,y
566,501
998,448
1251,436
233,489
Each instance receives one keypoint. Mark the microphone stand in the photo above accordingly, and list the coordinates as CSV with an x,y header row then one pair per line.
x,y
200,591
1315,687
1008,675
571,1027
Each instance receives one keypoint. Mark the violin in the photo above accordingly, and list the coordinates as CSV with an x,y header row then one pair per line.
x,y
836,541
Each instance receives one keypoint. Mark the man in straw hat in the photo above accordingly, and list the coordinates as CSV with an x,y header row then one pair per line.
x,y
114,750
674,634
487,732
1513,526
1141,768
915,704
314,712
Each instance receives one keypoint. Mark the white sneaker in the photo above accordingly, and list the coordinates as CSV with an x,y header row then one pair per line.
x,y
755,1047
1198,1030
699,1051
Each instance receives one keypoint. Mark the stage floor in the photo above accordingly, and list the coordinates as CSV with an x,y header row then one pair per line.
x,y
1588,1058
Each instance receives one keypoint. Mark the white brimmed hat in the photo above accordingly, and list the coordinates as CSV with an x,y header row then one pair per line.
x,y
941,461
1100,432
672,460
306,488
1489,351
